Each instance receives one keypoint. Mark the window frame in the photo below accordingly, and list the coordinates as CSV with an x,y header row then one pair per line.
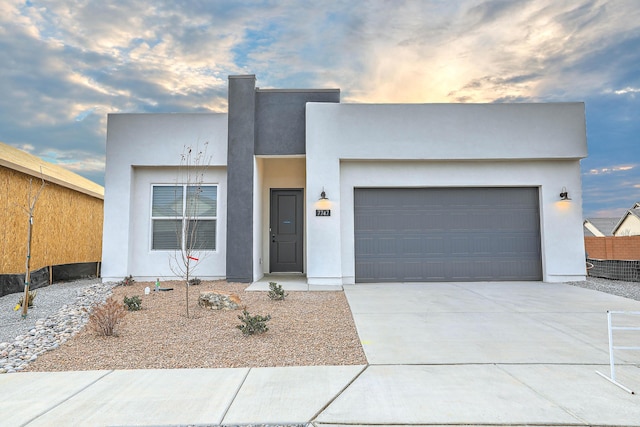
x,y
182,218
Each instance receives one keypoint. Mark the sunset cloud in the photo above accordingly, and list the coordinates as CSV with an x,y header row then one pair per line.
x,y
69,63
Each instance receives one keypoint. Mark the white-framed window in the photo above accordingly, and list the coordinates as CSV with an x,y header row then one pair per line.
x,y
184,216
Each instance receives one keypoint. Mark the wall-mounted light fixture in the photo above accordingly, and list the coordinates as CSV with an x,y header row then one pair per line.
x,y
323,205
564,195
323,195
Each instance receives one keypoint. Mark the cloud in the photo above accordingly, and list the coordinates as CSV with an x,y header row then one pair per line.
x,y
69,63
493,50
613,188
612,169
608,213
627,90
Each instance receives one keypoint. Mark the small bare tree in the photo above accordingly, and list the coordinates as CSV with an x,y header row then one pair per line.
x,y
31,203
190,181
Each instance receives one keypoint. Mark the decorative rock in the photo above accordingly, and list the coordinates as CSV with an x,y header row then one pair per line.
x,y
216,300
49,333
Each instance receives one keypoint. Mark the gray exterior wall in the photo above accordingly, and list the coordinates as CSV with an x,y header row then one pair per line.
x,y
280,118
261,122
240,178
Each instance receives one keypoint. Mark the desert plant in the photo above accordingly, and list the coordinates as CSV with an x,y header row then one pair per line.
x,y
253,324
194,282
127,281
276,292
134,303
104,319
32,296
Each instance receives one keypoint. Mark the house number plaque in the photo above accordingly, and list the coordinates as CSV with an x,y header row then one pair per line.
x,y
323,212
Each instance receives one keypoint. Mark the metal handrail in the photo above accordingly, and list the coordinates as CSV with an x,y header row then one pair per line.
x,y
612,347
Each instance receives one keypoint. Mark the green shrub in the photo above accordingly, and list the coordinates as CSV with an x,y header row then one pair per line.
x,y
105,319
276,292
194,282
253,324
134,303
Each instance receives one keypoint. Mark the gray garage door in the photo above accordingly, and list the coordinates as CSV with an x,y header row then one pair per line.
x,y
447,234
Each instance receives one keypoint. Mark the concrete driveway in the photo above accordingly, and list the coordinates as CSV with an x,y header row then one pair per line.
x,y
508,322
488,353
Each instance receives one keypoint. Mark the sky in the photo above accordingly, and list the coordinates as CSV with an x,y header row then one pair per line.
x,y
66,64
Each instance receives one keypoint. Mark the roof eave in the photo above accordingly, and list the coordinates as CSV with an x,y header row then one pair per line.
x,y
49,178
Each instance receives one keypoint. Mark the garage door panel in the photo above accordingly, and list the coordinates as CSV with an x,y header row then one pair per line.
x,y
364,246
385,246
413,270
433,221
434,245
482,245
438,234
518,246
484,270
435,270
460,246
386,270
518,220
364,271
412,246
414,221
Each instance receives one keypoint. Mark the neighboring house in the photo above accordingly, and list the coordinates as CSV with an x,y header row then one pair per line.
x,y
353,193
629,224
599,227
67,225
613,239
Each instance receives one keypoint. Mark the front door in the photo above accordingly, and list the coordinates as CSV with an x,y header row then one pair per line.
x,y
285,230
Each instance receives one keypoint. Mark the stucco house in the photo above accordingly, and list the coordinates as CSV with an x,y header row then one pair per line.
x,y
354,193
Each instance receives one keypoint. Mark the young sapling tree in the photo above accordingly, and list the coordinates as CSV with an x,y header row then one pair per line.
x,y
31,203
195,223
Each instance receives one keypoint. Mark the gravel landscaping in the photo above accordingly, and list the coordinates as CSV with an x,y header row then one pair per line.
x,y
308,328
616,287
48,301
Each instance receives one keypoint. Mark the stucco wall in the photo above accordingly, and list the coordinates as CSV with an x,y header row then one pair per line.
x,y
280,114
148,140
444,145
240,178
147,264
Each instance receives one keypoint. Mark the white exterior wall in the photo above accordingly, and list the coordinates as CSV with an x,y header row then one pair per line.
x,y
555,217
153,141
438,146
258,227
147,264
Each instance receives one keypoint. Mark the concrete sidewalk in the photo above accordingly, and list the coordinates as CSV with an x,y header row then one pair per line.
x,y
439,354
